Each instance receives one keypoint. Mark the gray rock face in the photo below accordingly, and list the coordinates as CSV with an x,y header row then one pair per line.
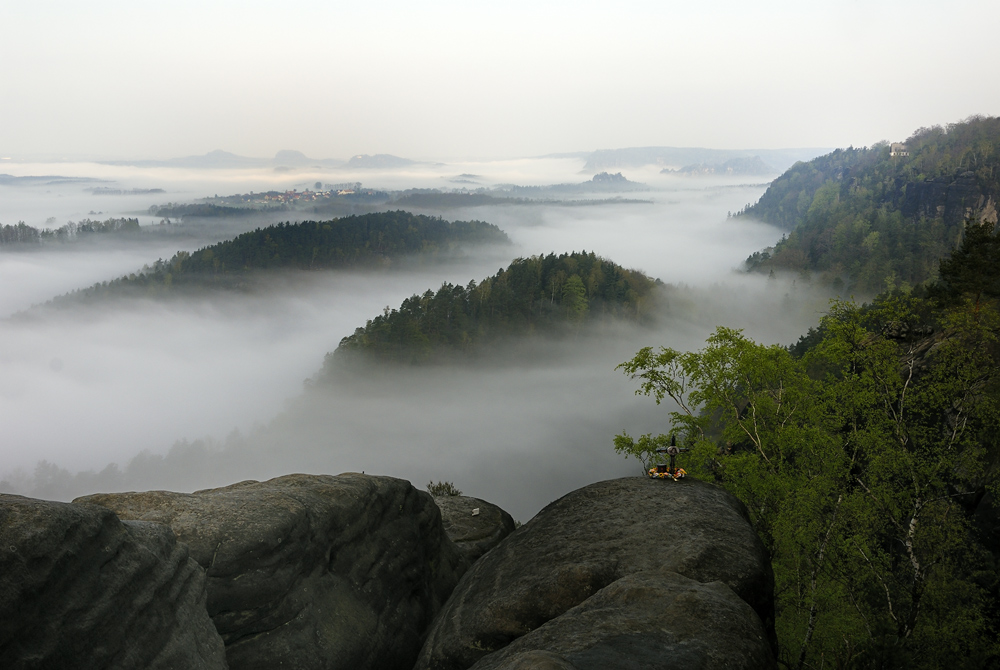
x,y
81,589
473,535
312,571
645,620
609,557
952,198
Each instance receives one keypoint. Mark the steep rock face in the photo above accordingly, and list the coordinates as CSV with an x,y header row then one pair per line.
x,y
474,535
81,589
312,571
676,538
952,198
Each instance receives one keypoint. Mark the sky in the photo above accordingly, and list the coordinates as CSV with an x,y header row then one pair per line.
x,y
463,80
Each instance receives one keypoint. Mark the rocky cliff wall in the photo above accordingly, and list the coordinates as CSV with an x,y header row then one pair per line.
x,y
312,571
81,589
353,571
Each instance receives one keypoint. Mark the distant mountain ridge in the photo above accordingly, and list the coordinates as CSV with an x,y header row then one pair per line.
x,y
287,158
220,159
677,157
751,166
602,160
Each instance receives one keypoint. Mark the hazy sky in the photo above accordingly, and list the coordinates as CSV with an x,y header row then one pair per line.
x,y
441,79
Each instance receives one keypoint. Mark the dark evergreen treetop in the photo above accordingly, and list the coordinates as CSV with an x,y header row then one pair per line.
x,y
881,221
350,241
541,293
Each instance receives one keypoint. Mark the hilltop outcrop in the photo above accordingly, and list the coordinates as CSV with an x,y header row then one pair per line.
x,y
474,525
353,571
619,572
312,571
81,589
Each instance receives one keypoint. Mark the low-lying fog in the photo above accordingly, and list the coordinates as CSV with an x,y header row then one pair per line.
x,y
88,386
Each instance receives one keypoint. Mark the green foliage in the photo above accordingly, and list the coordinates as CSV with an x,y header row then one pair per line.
x,y
880,222
438,489
541,293
861,462
972,269
354,241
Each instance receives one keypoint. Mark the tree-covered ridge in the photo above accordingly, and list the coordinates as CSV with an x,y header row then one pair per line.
x,y
536,294
878,221
869,460
21,234
350,241
353,241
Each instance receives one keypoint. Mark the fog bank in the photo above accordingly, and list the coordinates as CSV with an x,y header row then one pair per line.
x,y
90,386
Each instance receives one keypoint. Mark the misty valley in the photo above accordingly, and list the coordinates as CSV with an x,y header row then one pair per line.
x,y
144,366
822,345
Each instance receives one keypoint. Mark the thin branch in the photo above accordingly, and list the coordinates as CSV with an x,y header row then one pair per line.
x,y
888,597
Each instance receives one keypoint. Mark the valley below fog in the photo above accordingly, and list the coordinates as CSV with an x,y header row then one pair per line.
x,y
215,387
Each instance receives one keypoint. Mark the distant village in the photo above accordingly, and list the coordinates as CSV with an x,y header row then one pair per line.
x,y
296,197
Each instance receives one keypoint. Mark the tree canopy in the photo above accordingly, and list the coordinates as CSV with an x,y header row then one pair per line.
x,y
866,459
536,294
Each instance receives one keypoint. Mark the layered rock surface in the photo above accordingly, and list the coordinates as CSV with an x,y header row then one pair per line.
x,y
312,571
625,573
81,589
474,525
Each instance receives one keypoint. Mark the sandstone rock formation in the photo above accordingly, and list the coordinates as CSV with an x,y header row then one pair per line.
x,y
473,534
644,620
631,572
952,198
312,571
81,589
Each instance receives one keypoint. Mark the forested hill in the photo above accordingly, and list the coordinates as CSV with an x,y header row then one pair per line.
x,y
537,294
355,241
881,217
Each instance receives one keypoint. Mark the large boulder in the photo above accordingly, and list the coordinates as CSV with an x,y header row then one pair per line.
x,y
81,589
313,571
644,620
474,525
609,558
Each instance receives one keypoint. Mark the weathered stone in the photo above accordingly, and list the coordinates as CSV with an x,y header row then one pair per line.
x,y
954,199
589,540
474,535
81,589
645,620
313,571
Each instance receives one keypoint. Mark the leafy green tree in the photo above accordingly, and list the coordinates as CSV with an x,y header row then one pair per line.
x,y
856,462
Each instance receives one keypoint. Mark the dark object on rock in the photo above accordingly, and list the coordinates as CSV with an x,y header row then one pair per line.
x,y
81,589
313,571
688,543
473,534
